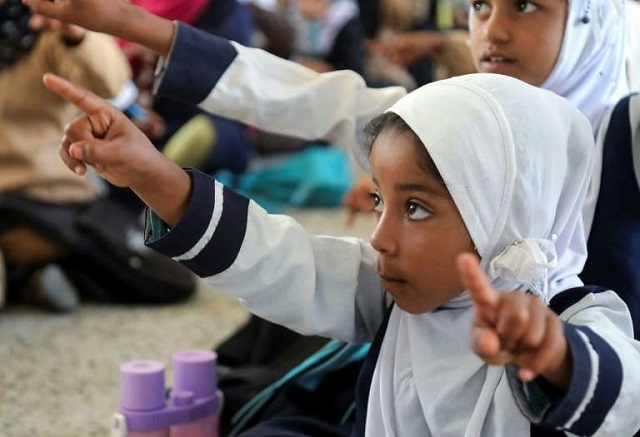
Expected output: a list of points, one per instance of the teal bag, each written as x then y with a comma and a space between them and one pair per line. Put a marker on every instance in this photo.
317, 176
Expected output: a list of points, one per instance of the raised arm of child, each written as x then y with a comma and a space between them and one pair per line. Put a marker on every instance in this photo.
237, 82
118, 18
212, 227
106, 139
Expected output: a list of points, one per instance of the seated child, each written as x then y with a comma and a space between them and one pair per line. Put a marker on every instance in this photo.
466, 206
31, 122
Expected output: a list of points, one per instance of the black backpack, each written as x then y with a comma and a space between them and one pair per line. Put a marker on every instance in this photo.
267, 371
108, 260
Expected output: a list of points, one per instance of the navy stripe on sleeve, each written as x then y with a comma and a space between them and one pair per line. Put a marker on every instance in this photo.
607, 388
561, 413
198, 60
572, 296
195, 220
223, 248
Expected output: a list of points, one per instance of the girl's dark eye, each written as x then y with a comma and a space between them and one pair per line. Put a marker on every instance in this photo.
415, 211
526, 6
479, 5
378, 204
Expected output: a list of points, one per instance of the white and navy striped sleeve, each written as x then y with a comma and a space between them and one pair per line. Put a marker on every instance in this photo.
260, 89
604, 390
313, 284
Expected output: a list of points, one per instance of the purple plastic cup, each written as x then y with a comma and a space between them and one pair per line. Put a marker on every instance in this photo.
142, 390
195, 371
142, 385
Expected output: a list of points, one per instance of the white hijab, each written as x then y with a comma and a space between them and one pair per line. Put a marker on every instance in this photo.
590, 70
518, 174
591, 73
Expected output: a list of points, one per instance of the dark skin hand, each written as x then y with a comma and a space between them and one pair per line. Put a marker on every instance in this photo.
107, 140
116, 17
515, 328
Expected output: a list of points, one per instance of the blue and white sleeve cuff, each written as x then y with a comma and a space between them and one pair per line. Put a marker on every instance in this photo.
196, 63
594, 387
208, 237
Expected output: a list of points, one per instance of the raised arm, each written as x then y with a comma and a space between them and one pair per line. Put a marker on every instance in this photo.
115, 17
237, 82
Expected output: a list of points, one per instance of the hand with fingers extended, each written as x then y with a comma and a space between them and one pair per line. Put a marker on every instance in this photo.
515, 328
103, 137
122, 154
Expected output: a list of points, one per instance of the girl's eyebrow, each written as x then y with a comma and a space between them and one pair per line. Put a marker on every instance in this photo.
421, 188
406, 186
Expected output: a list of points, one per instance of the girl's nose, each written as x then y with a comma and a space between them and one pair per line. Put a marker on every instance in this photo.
497, 28
383, 238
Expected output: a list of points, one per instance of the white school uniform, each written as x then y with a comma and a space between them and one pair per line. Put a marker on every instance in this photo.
521, 205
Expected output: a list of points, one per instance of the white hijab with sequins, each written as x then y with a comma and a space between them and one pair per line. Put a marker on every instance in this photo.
591, 73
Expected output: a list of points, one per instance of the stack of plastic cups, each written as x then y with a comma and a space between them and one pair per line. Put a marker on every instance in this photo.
192, 409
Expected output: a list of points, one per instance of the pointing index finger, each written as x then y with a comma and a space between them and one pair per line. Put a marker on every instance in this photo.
82, 98
475, 281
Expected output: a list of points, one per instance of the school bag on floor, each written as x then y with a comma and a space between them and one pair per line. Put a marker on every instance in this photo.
266, 370
108, 260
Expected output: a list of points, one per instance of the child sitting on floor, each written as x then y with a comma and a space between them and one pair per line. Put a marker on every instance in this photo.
465, 174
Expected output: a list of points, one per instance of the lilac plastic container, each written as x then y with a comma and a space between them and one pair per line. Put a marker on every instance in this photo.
192, 408
142, 395
194, 371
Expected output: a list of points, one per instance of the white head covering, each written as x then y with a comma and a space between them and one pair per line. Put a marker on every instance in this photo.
518, 174
506, 165
590, 70
591, 73
633, 44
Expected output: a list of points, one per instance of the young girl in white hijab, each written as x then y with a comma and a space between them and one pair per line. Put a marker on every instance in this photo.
575, 48
464, 173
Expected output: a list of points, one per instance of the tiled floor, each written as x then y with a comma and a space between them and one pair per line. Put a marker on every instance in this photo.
59, 374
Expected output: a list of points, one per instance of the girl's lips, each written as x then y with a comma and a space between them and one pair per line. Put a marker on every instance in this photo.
496, 58
390, 283
496, 64
390, 279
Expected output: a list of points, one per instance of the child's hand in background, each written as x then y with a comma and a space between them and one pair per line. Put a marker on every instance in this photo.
69, 33
96, 15
515, 328
358, 200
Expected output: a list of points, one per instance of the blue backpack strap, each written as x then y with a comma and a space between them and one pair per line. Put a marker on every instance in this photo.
309, 375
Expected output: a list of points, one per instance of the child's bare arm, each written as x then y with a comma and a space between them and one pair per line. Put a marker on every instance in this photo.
516, 328
107, 140
115, 17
